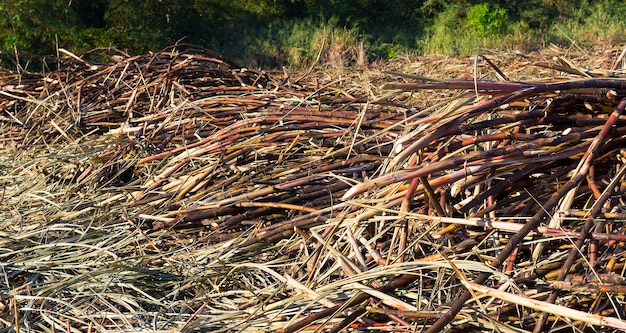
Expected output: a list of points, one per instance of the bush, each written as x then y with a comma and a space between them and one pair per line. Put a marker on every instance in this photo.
443, 35
272, 33
486, 20
599, 24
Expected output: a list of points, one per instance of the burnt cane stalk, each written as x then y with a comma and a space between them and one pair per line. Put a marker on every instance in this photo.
597, 207
458, 304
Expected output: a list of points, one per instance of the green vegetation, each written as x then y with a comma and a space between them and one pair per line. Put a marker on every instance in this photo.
486, 19
272, 33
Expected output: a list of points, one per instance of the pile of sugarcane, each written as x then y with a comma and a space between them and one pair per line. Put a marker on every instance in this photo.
180, 191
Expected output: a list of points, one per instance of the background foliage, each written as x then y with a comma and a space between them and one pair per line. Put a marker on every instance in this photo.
272, 33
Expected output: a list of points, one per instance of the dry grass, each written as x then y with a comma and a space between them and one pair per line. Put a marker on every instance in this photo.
175, 191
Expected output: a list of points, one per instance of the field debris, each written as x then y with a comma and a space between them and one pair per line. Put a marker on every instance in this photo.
178, 191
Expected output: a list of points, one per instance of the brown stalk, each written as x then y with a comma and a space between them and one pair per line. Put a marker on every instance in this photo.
458, 304
598, 205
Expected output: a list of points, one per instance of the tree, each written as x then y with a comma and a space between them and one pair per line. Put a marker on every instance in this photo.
36, 25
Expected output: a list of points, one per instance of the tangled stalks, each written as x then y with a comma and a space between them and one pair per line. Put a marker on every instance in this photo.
180, 191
